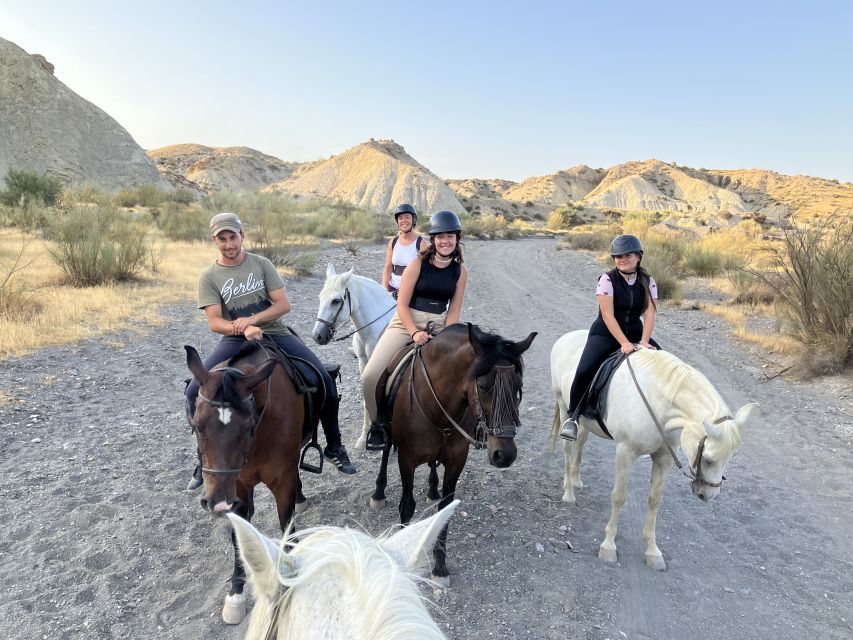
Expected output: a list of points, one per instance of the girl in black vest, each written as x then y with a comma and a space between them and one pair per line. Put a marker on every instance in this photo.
627, 303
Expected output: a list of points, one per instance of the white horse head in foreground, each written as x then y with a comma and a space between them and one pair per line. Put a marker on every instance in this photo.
366, 304
336, 584
690, 411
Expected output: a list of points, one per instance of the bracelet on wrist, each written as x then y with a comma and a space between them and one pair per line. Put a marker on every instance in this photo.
415, 333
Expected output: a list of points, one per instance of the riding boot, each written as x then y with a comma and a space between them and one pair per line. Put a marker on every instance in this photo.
196, 481
378, 436
569, 428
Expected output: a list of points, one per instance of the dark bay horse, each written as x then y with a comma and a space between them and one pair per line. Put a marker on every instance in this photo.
463, 387
249, 427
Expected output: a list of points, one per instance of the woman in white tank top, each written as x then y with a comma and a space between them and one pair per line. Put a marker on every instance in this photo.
402, 249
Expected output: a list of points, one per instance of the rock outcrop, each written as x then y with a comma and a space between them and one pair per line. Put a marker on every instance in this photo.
557, 188
376, 175
47, 128
208, 169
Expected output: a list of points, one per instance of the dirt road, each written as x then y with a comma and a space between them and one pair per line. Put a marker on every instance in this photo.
101, 541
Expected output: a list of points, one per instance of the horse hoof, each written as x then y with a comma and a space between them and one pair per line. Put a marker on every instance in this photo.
577, 485
440, 582
608, 555
301, 507
656, 562
235, 609
376, 504
570, 500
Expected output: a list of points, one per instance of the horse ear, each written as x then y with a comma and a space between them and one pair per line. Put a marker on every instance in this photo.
330, 271
520, 347
411, 546
745, 412
474, 340
263, 372
345, 276
712, 429
261, 557
195, 364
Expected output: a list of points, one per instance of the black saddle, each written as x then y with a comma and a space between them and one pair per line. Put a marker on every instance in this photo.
596, 395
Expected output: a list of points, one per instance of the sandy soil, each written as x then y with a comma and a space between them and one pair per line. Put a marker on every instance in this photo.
101, 541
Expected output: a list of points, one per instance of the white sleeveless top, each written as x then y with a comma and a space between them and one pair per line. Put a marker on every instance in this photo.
400, 258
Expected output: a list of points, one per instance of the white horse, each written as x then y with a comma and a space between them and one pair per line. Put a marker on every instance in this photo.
689, 410
335, 583
363, 301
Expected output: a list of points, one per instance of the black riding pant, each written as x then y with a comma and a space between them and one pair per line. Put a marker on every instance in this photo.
229, 346
598, 347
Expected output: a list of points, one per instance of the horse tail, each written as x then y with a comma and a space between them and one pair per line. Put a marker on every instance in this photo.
555, 427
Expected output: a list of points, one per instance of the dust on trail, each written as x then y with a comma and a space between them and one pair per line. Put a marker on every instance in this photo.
101, 541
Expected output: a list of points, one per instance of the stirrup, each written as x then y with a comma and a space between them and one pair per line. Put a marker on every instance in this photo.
377, 431
307, 466
569, 429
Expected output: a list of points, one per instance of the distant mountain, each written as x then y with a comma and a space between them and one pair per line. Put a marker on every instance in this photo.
47, 128
652, 185
376, 175
208, 169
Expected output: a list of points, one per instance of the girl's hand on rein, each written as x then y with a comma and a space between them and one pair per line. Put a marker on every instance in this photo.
627, 347
647, 345
420, 337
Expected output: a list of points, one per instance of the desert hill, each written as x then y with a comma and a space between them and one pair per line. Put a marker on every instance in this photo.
558, 188
208, 169
376, 175
47, 128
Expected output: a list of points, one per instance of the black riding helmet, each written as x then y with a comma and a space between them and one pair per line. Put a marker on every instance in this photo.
626, 244
444, 222
406, 208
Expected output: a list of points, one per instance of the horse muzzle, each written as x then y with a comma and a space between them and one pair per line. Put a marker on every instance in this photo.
321, 334
502, 451
704, 492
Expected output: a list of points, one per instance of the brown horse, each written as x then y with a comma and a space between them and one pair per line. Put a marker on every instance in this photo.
463, 387
249, 427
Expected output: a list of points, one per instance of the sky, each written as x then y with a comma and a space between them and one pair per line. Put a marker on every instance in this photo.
471, 89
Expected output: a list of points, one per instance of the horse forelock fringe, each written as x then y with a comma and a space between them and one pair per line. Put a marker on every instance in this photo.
383, 595
230, 394
496, 349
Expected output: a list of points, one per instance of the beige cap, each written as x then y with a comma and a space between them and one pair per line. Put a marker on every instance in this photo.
225, 221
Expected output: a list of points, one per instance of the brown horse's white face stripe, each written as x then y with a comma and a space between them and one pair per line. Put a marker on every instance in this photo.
224, 415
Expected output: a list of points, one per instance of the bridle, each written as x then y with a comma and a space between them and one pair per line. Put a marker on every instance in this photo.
694, 471
331, 323
482, 428
256, 418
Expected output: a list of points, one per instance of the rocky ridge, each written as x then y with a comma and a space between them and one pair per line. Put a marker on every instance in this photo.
47, 128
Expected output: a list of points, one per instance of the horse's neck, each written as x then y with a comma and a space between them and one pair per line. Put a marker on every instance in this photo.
369, 300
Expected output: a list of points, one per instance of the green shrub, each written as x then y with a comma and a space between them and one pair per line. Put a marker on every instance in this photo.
16, 300
96, 245
814, 287
702, 262
598, 240
24, 187
750, 289
143, 195
182, 195
29, 217
182, 223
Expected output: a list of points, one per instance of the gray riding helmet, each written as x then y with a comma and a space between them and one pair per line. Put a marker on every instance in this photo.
444, 222
626, 244
406, 208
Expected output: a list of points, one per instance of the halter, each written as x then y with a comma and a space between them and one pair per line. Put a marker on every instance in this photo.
482, 429
256, 418
694, 471
348, 300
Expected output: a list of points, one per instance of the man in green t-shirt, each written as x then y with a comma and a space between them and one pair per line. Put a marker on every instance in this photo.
243, 298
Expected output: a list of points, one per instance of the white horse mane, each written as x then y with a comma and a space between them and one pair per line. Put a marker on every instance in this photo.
335, 583
679, 376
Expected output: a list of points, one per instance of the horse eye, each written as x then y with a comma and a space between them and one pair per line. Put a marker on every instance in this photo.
336, 300
708, 462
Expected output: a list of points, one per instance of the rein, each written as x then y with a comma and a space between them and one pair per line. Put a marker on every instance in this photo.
694, 472
331, 324
482, 429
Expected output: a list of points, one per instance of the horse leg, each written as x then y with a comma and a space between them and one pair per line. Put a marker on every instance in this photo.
234, 609
361, 443
452, 470
301, 505
377, 500
624, 457
432, 493
661, 463
583, 435
407, 481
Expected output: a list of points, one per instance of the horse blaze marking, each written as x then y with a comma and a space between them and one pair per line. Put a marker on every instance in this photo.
224, 415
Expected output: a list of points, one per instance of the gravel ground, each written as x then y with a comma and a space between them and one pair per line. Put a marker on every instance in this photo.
101, 540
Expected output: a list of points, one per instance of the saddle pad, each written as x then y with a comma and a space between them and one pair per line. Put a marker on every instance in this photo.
397, 370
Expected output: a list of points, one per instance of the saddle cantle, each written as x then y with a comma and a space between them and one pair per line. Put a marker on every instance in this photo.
389, 381
595, 403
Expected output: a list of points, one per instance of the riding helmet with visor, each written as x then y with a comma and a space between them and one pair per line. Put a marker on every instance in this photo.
626, 244
444, 222
406, 208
